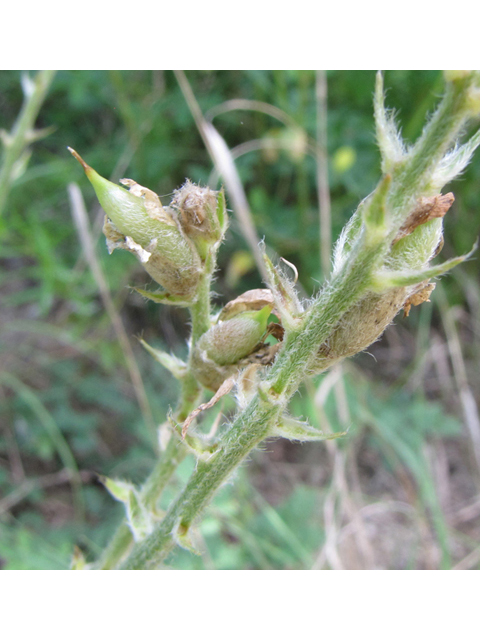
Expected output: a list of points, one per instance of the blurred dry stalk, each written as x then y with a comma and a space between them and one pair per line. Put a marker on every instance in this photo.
223, 161
467, 400
322, 173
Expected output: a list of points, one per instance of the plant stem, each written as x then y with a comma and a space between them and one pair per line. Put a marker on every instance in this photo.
248, 430
175, 451
22, 133
200, 310
256, 421
438, 137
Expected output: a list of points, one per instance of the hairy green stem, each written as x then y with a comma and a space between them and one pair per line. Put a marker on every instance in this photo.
295, 359
175, 451
438, 137
248, 430
256, 421
200, 310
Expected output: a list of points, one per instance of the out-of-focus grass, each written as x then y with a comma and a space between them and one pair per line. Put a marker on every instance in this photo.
401, 490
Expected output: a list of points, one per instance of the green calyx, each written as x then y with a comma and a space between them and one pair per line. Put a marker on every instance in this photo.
221, 351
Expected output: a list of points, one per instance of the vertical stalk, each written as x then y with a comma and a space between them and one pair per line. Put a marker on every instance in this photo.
175, 451
200, 310
22, 133
322, 173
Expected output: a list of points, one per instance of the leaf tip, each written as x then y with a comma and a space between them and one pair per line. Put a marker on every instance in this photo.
79, 158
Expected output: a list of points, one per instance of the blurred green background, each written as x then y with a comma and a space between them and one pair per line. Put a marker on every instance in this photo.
400, 491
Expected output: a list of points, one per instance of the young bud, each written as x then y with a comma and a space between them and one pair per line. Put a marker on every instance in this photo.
136, 221
201, 213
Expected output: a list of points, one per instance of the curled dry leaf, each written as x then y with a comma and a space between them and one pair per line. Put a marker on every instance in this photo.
426, 209
225, 388
252, 300
422, 295
276, 330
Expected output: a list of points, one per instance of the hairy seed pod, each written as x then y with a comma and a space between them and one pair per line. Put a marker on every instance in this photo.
360, 326
230, 341
412, 249
218, 351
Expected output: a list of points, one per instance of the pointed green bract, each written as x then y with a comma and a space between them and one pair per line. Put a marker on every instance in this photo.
163, 297
177, 367
299, 431
385, 280
139, 518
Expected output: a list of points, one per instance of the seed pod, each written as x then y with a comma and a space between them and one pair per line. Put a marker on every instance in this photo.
230, 341
136, 221
412, 249
218, 351
360, 326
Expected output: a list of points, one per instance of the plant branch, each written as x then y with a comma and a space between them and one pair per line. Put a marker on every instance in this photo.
175, 451
22, 133
254, 423
345, 307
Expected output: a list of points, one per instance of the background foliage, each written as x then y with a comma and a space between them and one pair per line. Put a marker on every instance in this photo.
402, 490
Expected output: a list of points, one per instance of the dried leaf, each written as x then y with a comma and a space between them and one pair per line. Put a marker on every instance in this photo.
225, 388
422, 295
425, 210
252, 300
